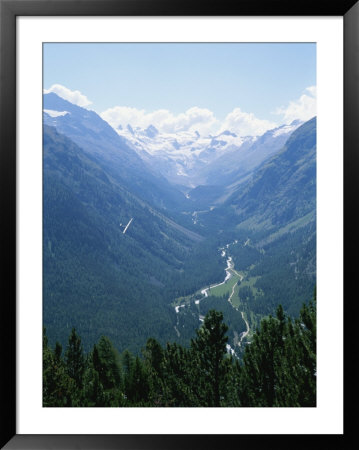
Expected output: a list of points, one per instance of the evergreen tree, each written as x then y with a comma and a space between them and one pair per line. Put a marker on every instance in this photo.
57, 387
106, 362
230, 382
279, 366
260, 358
154, 364
209, 349
74, 359
93, 392
153, 353
179, 379
138, 387
58, 351
127, 361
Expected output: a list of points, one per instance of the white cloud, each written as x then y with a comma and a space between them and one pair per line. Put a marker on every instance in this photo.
194, 119
199, 119
74, 97
303, 109
246, 124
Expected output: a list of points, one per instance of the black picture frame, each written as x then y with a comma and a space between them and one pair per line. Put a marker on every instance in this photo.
9, 10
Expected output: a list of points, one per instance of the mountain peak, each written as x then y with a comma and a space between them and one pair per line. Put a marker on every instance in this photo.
227, 133
151, 131
296, 122
54, 102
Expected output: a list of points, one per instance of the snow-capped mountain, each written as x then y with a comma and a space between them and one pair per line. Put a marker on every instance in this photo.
115, 154
185, 158
189, 159
241, 161
180, 156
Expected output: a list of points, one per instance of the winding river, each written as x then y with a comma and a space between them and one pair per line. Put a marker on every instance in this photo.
229, 270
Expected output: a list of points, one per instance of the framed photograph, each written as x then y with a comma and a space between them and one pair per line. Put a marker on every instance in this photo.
173, 197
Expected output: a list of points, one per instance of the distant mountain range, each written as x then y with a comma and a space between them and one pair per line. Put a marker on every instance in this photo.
184, 158
189, 159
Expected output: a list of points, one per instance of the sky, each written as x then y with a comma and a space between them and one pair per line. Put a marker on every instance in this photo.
245, 87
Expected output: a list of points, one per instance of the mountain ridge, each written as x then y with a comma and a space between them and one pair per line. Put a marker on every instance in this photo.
96, 137
93, 259
191, 159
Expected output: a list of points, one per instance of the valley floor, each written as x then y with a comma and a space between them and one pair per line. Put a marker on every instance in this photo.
227, 289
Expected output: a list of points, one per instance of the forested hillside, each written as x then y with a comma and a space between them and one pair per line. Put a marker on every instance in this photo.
269, 222
98, 277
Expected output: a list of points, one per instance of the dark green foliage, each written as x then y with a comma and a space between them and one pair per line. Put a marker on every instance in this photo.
95, 277
209, 349
93, 391
181, 384
106, 362
287, 272
57, 352
245, 255
154, 361
231, 316
278, 369
58, 388
280, 363
202, 267
74, 358
137, 384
